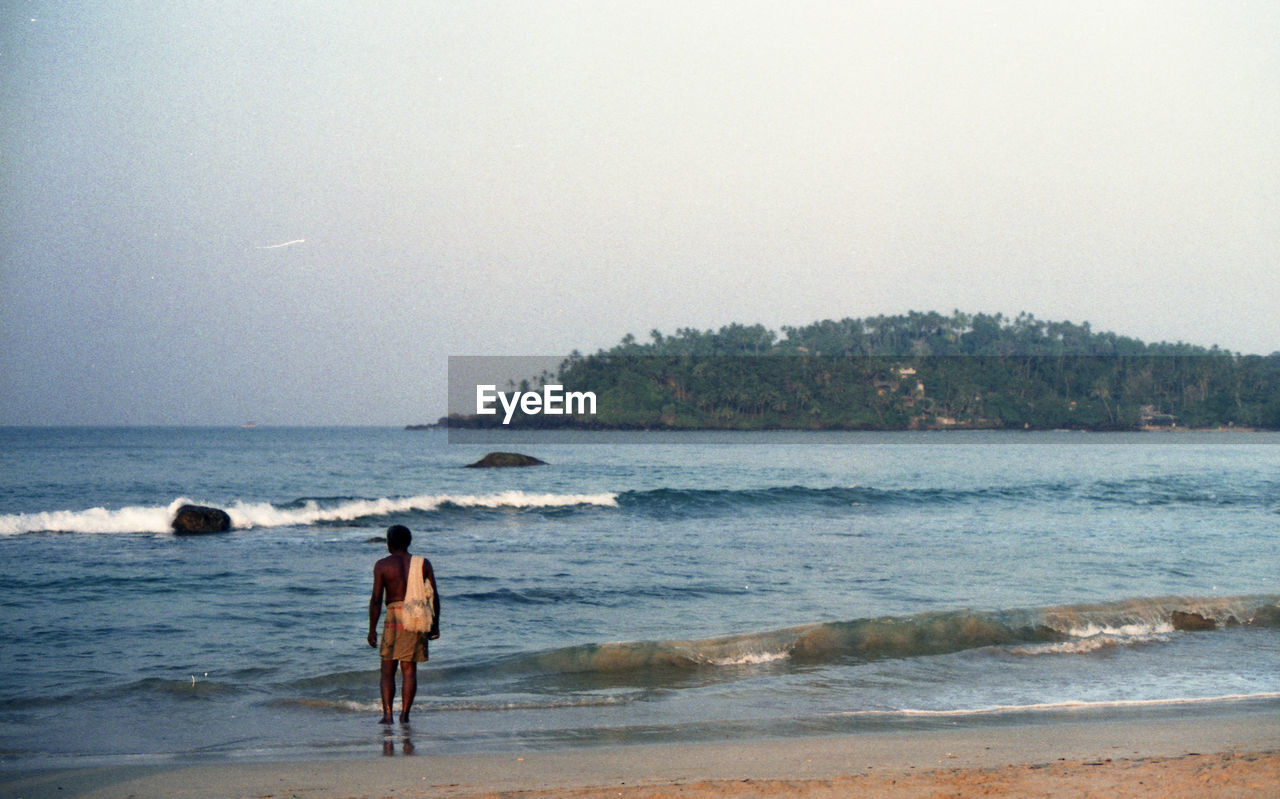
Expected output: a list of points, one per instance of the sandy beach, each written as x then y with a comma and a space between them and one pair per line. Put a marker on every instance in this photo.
1197, 756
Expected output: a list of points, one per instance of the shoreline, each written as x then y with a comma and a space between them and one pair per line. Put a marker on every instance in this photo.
1118, 756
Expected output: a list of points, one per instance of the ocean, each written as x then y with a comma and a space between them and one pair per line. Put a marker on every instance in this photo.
637, 588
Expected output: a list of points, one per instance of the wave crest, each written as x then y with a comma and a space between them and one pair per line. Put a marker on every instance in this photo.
1076, 629
246, 515
132, 519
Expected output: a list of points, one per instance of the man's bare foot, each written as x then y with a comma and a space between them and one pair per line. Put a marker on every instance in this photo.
404, 717
386, 719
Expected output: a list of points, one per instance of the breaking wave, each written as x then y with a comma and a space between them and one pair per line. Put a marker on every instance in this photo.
134, 519
1061, 630
620, 673
663, 503
246, 515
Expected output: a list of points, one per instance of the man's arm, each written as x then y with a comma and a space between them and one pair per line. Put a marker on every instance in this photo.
430, 576
375, 606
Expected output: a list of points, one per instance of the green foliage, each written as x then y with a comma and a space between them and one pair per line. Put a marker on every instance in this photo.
919, 370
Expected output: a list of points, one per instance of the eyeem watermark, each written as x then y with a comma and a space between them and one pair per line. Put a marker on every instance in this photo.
552, 400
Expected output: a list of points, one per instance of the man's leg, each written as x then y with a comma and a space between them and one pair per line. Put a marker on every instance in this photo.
408, 687
388, 686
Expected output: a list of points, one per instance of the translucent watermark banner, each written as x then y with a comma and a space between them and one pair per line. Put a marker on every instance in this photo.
544, 398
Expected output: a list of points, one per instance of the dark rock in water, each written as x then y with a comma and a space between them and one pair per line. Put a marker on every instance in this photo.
1191, 622
496, 459
1266, 616
191, 519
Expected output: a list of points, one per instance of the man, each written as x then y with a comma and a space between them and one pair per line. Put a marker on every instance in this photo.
400, 647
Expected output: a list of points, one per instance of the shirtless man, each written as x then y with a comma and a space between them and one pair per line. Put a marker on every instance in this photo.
400, 647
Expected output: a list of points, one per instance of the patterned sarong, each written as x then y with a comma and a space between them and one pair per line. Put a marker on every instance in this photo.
399, 643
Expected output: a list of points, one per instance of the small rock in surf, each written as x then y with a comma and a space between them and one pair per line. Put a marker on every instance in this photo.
195, 519
499, 459
1191, 622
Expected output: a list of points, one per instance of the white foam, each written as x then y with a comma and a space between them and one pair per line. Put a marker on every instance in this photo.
1068, 647
1067, 705
1135, 630
1092, 638
246, 515
133, 519
748, 659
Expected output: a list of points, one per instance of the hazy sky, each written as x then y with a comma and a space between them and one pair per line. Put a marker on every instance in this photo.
502, 178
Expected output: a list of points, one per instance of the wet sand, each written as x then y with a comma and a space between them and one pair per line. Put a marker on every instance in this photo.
1199, 756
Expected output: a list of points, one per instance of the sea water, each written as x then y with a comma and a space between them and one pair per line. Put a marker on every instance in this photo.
636, 588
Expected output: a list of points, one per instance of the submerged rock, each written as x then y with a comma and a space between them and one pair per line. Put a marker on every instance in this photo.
1266, 616
193, 519
499, 459
1191, 622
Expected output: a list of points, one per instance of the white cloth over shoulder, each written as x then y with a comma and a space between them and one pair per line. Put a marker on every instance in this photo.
418, 613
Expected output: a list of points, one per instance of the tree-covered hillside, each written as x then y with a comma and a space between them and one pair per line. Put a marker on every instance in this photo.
918, 371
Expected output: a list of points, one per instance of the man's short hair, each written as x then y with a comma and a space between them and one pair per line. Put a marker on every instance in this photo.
398, 537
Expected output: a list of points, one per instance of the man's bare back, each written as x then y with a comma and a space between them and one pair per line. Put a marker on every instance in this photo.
392, 574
